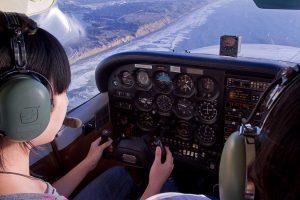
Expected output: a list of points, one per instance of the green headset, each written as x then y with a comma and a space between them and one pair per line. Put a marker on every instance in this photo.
25, 95
240, 148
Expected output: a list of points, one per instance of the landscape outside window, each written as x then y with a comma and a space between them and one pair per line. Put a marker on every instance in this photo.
92, 30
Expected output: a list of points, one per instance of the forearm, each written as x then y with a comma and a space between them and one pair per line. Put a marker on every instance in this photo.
66, 185
159, 173
151, 190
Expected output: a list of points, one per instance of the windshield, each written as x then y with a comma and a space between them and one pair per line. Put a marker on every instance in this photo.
91, 30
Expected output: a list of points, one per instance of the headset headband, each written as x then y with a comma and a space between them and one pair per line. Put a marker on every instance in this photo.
17, 41
25, 95
18, 49
277, 87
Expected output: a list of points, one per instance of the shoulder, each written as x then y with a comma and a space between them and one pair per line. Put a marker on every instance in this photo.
51, 194
177, 196
31, 196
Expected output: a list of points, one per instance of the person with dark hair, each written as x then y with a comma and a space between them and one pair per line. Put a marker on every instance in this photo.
275, 172
46, 56
276, 169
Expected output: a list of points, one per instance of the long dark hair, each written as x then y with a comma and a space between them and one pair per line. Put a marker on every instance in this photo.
276, 170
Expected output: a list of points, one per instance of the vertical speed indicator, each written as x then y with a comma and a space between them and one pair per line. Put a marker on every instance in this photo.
207, 88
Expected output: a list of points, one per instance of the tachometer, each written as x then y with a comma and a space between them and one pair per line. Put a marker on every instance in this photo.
185, 85
163, 82
183, 131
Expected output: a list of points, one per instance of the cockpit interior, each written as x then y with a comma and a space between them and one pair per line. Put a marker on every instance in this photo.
192, 103
189, 102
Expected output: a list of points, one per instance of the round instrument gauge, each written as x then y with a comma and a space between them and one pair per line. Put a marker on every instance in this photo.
142, 79
163, 82
208, 112
207, 84
185, 85
126, 78
164, 103
184, 109
206, 135
145, 121
183, 131
144, 101
207, 88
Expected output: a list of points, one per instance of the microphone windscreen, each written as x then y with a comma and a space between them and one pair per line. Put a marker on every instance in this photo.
72, 122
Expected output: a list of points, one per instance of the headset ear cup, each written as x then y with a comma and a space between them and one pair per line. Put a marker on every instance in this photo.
46, 83
232, 172
25, 107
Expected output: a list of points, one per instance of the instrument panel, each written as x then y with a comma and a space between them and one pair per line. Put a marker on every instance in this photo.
191, 108
184, 106
158, 95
